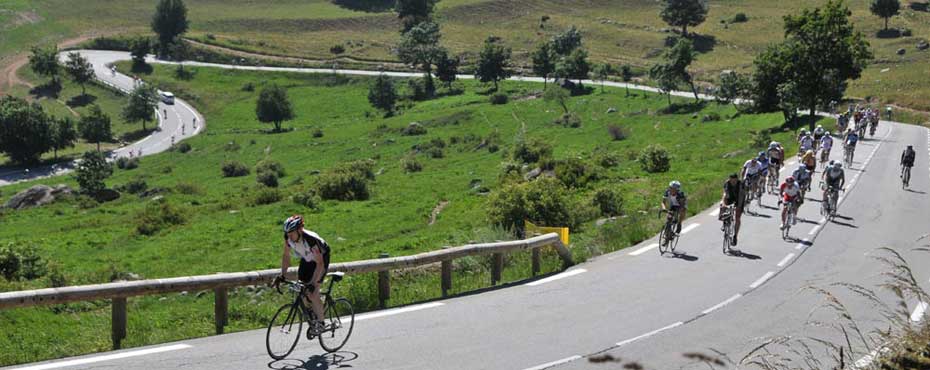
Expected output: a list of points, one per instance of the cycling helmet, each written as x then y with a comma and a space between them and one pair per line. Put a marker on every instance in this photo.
838, 165
910, 147
832, 162
773, 144
674, 184
761, 154
292, 223
819, 126
734, 176
807, 134
826, 133
789, 179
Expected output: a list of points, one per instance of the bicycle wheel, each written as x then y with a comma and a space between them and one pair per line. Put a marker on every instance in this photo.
907, 176
340, 319
283, 331
664, 238
727, 236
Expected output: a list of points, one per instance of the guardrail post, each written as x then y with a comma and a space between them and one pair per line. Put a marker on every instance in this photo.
220, 309
497, 264
384, 284
118, 321
535, 267
446, 278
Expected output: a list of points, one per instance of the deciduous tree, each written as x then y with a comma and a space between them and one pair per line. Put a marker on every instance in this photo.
94, 127
493, 62
80, 70
274, 106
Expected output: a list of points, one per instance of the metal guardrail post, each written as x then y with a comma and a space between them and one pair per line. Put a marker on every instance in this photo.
220, 309
384, 284
446, 277
497, 265
118, 321
535, 267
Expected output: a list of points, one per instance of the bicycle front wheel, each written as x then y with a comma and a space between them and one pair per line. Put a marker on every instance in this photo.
664, 238
727, 236
283, 331
340, 319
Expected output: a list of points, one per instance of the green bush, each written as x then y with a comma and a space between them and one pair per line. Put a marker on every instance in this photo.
411, 164
347, 181
569, 120
265, 195
413, 129
181, 147
307, 199
416, 89
654, 158
269, 166
573, 172
267, 178
607, 159
435, 152
618, 132
760, 139
21, 261
157, 216
499, 98
531, 151
188, 188
134, 186
318, 133
711, 117
124, 163
739, 18
609, 200
234, 169
544, 201
231, 146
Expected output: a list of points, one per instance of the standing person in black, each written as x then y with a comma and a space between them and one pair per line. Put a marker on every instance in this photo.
732, 196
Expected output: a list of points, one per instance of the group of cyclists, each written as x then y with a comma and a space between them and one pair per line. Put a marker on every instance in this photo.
762, 170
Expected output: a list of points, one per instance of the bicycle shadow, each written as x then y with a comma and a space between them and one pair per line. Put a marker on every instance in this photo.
333, 360
738, 253
844, 223
683, 256
915, 191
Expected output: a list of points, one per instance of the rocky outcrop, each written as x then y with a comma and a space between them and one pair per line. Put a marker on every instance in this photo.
37, 196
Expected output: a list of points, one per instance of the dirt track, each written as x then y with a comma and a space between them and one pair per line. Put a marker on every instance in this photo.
9, 67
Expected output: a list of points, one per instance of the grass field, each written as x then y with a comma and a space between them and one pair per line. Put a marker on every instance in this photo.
226, 231
619, 32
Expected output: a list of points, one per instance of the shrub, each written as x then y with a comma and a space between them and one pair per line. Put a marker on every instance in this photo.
531, 150
761, 139
544, 200
413, 129
91, 171
181, 147
906, 32
654, 158
710, 117
234, 169
411, 164
267, 178
125, 163
337, 49
499, 98
416, 89
618, 132
307, 199
317, 133
609, 201
573, 173
167, 169
231, 146
569, 120
188, 188
269, 166
265, 195
435, 152
607, 159
56, 278
21, 261
347, 181
739, 18
135, 186
157, 216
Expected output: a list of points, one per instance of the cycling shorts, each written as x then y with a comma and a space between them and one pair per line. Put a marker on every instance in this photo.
305, 271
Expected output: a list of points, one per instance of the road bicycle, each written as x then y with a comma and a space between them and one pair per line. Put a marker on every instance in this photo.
848, 152
789, 219
285, 327
905, 176
668, 238
824, 157
772, 183
829, 204
728, 216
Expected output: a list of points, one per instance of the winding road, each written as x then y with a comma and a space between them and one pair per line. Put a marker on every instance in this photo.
633, 304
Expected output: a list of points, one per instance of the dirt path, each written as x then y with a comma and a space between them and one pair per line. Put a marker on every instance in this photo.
8, 76
439, 207
290, 59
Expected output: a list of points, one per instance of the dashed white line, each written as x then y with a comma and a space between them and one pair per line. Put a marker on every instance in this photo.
557, 277
761, 280
814, 230
919, 311
649, 334
398, 311
786, 259
554, 363
689, 228
117, 356
644, 249
721, 304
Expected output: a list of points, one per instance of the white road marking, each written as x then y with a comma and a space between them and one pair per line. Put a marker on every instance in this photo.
554, 363
689, 228
786, 259
398, 311
116, 356
557, 277
814, 230
649, 334
644, 249
761, 280
919, 311
721, 304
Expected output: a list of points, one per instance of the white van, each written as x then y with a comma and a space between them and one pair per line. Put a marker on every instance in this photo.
167, 97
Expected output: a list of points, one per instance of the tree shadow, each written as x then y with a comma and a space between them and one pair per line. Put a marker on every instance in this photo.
81, 100
142, 68
891, 33
684, 108
919, 6
133, 136
703, 43
50, 90
368, 6
333, 360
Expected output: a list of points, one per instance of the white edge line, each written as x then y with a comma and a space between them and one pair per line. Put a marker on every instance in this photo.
689, 228
918, 313
761, 280
398, 311
644, 249
115, 356
721, 304
554, 363
557, 277
786, 259
649, 334
814, 230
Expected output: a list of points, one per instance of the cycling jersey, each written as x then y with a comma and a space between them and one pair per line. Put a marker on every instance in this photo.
908, 157
807, 142
675, 202
304, 250
752, 170
818, 132
790, 192
801, 175
826, 142
732, 192
852, 139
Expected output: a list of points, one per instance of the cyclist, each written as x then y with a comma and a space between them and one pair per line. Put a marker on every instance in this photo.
826, 143
809, 160
818, 134
841, 121
834, 176
850, 140
806, 144
776, 154
790, 194
803, 178
675, 201
763, 160
750, 174
907, 159
802, 134
732, 196
314, 261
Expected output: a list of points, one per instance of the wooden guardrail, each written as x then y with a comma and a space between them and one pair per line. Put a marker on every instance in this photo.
220, 282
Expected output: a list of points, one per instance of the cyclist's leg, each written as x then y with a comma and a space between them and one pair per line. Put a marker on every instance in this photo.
681, 218
305, 274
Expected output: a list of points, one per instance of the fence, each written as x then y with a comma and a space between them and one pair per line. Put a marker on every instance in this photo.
219, 283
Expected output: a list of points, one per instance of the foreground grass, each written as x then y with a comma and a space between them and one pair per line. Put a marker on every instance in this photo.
226, 231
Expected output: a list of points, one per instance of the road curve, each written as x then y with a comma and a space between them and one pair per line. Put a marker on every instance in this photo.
632, 304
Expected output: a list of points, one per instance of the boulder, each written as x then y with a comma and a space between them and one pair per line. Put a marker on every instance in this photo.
901, 51
152, 191
36, 196
106, 195
533, 174
611, 110
923, 45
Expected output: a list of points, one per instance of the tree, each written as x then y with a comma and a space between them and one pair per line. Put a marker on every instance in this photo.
80, 70
567, 41
733, 86
558, 95
666, 79
573, 66
626, 74
493, 62
684, 13
677, 59
419, 47
602, 72
771, 70
544, 61
63, 134
139, 47
91, 170
413, 12
25, 130
141, 105
44, 62
382, 94
447, 67
169, 23
273, 106
885, 9
95, 126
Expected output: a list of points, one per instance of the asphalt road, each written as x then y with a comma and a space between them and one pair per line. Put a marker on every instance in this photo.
633, 304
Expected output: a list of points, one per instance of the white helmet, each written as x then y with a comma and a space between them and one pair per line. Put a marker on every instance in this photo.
674, 184
826, 133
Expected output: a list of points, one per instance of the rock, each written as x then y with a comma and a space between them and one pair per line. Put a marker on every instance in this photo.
158, 198
901, 51
162, 299
36, 196
341, 239
106, 195
380, 171
474, 183
183, 294
923, 45
611, 110
534, 173
314, 172
152, 191
233, 211
201, 293
133, 276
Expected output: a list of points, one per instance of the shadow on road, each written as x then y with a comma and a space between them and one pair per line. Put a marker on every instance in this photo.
334, 360
916, 191
806, 221
739, 253
684, 256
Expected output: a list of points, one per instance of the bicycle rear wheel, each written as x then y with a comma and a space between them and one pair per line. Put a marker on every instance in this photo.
283, 331
340, 319
727, 235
